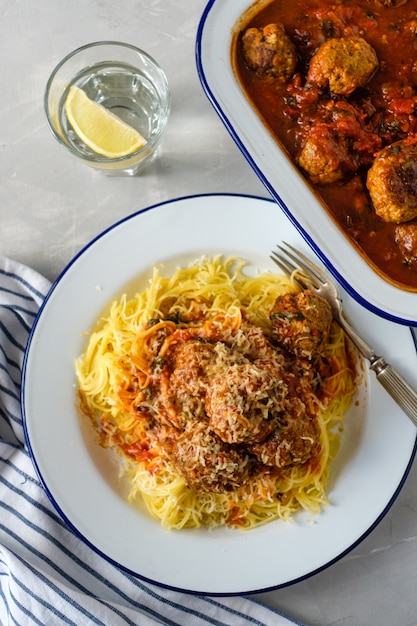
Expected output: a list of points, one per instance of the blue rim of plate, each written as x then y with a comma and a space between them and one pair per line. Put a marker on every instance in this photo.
74, 528
269, 186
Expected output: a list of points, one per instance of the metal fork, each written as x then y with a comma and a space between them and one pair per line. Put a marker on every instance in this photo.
308, 276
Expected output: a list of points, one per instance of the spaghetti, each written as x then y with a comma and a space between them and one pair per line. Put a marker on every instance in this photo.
217, 423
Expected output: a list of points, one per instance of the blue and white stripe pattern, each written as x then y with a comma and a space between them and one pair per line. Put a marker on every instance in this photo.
48, 576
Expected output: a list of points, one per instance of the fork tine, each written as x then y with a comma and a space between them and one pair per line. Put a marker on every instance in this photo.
282, 263
308, 267
290, 269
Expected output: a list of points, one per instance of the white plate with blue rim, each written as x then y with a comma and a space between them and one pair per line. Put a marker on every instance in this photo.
281, 178
82, 480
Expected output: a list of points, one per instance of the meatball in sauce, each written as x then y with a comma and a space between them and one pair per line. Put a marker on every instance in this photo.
244, 403
207, 463
302, 323
392, 182
294, 442
342, 65
269, 52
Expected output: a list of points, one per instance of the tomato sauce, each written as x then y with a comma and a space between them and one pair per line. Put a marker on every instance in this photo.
388, 103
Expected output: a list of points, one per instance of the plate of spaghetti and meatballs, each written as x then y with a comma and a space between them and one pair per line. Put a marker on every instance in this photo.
223, 394
321, 98
198, 420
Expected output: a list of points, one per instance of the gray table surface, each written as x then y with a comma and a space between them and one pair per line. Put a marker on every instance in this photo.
51, 206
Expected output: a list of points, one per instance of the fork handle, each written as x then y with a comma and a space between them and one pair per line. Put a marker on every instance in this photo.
398, 388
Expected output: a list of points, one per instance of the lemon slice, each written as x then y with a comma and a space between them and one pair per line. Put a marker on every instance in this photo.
99, 128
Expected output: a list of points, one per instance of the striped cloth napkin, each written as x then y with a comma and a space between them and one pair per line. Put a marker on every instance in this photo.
48, 576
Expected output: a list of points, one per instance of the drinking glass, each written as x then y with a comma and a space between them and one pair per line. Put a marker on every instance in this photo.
125, 80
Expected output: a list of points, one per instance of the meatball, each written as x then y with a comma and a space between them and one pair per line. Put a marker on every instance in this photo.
302, 322
252, 342
269, 52
207, 463
406, 240
342, 65
183, 392
337, 141
192, 362
325, 156
392, 182
296, 441
244, 402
